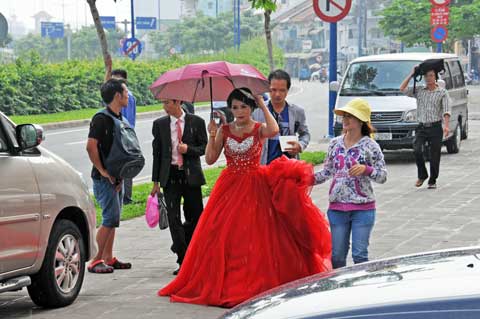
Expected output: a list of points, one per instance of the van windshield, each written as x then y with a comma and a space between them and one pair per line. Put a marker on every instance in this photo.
376, 77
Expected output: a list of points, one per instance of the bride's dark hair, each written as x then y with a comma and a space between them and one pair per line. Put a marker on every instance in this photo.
244, 95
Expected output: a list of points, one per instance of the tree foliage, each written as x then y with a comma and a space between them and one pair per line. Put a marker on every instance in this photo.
84, 45
409, 21
204, 34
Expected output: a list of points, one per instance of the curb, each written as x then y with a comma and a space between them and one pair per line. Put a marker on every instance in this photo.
78, 123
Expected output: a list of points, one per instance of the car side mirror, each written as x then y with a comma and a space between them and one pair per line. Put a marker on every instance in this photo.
29, 135
334, 86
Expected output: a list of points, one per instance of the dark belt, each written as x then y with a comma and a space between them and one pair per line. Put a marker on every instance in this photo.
432, 124
176, 167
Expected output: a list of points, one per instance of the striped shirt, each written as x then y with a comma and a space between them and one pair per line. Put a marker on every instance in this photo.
431, 105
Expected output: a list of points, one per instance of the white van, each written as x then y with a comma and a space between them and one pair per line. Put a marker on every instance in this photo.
377, 79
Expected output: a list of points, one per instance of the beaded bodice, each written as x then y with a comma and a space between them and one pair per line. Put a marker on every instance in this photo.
242, 152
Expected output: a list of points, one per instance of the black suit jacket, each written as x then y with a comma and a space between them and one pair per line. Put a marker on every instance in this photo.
194, 135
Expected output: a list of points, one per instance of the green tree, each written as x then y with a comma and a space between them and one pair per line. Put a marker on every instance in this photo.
6, 41
409, 21
204, 34
268, 6
85, 45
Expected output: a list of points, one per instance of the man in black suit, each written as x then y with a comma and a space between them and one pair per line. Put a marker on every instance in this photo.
179, 140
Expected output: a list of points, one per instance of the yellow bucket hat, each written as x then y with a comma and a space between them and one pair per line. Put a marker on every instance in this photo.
356, 107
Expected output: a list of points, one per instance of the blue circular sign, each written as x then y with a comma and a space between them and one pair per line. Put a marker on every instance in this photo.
132, 47
439, 33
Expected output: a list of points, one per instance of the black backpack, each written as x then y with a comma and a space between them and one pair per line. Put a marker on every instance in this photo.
125, 159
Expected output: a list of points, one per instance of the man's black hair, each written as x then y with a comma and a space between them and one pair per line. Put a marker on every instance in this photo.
120, 72
280, 75
244, 95
109, 88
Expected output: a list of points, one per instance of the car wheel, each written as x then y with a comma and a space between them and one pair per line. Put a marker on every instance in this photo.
58, 282
465, 129
453, 143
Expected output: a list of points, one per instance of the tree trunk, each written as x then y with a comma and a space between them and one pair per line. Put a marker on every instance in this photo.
268, 37
100, 32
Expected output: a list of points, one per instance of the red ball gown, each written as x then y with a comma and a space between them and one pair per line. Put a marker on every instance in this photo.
259, 229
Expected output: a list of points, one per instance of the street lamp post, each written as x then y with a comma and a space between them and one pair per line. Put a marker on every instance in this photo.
158, 25
236, 24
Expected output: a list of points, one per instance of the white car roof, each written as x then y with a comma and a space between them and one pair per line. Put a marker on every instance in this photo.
422, 56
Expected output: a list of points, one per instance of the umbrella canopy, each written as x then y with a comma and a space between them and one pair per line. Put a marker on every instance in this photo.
203, 82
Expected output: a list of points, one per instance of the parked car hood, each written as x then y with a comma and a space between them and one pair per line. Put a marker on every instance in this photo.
414, 278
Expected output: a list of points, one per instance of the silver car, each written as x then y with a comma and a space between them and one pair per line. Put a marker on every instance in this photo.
431, 285
47, 219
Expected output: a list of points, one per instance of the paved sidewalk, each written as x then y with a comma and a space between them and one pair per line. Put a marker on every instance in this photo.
409, 220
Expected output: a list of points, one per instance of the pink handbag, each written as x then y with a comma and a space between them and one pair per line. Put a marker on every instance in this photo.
151, 211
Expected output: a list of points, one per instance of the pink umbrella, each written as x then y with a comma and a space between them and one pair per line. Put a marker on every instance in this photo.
202, 82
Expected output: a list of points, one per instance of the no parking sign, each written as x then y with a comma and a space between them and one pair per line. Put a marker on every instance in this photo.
331, 10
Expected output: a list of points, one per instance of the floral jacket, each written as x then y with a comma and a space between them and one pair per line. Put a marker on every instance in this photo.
352, 192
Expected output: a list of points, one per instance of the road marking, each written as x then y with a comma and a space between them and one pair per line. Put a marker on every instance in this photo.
65, 132
74, 143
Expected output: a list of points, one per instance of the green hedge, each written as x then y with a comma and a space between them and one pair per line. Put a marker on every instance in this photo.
32, 87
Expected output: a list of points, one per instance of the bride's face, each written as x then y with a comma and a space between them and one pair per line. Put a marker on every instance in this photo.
241, 111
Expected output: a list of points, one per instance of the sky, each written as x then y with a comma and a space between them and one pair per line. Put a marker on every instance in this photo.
77, 12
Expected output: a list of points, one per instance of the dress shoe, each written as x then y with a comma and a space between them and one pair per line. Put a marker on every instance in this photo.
419, 182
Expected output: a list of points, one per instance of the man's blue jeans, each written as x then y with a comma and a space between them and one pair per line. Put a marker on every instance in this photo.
359, 224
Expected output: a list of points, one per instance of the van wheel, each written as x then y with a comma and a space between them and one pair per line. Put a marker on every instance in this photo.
58, 282
453, 143
465, 129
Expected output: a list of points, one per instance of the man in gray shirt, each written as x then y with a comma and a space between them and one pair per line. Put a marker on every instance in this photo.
290, 118
432, 107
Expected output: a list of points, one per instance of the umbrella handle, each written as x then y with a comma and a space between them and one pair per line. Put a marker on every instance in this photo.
211, 100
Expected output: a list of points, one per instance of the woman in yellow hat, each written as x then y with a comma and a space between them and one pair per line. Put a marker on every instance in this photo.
353, 161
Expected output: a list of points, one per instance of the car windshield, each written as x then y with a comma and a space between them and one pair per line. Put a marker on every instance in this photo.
376, 78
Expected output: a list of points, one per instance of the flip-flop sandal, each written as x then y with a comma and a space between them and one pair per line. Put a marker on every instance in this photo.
117, 264
99, 267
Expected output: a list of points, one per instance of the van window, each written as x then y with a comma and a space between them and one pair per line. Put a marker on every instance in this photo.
376, 77
457, 75
447, 77
3, 141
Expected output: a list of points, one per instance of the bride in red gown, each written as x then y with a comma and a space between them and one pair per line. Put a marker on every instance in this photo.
260, 228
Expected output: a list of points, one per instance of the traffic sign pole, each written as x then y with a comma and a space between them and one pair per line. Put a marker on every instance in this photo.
133, 20
332, 11
332, 76
439, 47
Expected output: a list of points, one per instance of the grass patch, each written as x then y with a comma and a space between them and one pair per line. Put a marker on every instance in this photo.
314, 158
140, 192
83, 114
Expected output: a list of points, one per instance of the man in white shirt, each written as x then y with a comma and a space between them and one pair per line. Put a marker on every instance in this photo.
179, 140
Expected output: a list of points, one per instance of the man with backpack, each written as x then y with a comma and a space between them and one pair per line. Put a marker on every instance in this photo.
130, 113
107, 131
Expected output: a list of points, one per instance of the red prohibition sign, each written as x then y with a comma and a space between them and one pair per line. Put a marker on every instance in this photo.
331, 10
440, 3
